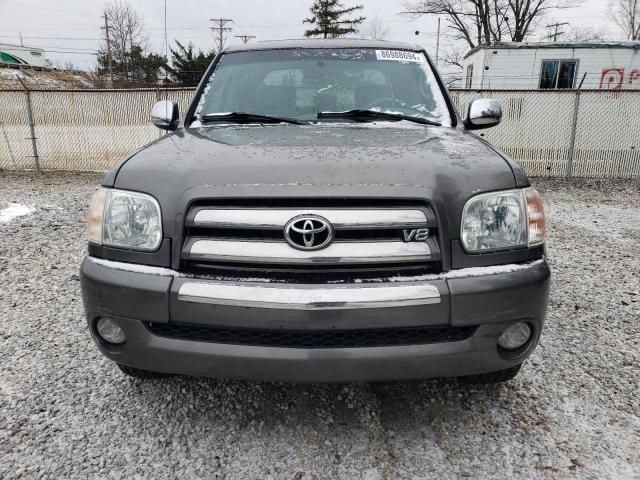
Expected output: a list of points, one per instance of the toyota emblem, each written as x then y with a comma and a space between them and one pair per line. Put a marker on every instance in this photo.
308, 232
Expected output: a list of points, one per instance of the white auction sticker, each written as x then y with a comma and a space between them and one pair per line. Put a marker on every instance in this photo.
399, 56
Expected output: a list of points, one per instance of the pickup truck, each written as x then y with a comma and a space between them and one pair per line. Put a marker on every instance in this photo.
320, 213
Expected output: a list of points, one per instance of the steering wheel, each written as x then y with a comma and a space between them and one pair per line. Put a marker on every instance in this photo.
385, 102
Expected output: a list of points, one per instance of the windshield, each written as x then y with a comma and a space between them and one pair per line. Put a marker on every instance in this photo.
301, 83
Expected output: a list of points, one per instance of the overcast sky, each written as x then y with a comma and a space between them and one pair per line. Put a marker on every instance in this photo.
69, 30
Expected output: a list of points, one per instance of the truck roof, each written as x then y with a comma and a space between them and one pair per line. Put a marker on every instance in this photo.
323, 43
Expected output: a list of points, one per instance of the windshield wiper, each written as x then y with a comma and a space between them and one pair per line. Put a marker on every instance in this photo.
364, 115
242, 117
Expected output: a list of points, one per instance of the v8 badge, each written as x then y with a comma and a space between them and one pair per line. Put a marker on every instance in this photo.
416, 235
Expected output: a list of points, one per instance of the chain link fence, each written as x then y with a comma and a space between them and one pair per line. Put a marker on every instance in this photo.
550, 133
592, 133
83, 130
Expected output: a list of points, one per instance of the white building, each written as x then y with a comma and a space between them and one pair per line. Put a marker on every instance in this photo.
19, 55
543, 65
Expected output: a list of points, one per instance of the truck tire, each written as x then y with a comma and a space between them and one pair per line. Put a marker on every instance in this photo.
139, 373
492, 377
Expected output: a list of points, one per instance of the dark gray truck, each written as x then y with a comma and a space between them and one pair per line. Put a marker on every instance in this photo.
321, 214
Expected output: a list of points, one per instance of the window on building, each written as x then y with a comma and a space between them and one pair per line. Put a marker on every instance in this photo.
469, 79
558, 73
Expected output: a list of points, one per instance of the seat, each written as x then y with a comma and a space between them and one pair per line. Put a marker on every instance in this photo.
279, 100
325, 102
367, 93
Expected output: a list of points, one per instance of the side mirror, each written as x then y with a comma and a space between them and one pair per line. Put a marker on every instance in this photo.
483, 113
164, 115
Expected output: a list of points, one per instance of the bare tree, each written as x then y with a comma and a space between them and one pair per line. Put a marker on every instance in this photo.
577, 34
60, 65
98, 79
626, 14
454, 57
376, 30
526, 14
488, 21
122, 53
466, 18
126, 29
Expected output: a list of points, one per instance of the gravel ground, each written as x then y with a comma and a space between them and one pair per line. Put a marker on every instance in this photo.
573, 412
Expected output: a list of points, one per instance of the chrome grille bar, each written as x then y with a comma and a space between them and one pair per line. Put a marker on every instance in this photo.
308, 297
340, 218
281, 252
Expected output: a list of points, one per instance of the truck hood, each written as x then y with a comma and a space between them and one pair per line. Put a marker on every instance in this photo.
402, 160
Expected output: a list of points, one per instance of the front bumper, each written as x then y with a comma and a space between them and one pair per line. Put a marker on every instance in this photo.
492, 299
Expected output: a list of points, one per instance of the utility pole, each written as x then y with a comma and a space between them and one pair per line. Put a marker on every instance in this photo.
556, 34
438, 43
221, 28
417, 32
21, 43
109, 58
245, 38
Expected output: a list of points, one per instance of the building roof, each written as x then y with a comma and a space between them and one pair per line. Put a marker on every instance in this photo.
323, 43
539, 45
13, 46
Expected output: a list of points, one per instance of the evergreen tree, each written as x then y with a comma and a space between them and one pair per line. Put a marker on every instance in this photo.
187, 67
328, 18
145, 68
134, 68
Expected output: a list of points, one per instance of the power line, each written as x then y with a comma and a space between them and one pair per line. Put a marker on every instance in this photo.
53, 50
221, 28
57, 47
52, 38
556, 34
245, 38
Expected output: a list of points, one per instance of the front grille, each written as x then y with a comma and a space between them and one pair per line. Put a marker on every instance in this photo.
318, 275
365, 234
379, 337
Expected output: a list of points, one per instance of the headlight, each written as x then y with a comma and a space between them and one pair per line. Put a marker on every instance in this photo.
124, 219
502, 220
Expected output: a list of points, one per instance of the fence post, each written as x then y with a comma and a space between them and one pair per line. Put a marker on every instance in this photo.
32, 129
572, 141
161, 133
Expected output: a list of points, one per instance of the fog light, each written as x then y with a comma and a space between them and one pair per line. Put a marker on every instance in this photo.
109, 330
515, 336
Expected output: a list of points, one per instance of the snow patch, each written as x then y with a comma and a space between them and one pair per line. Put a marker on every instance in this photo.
136, 268
376, 124
492, 270
166, 272
48, 79
203, 95
442, 110
14, 210
461, 273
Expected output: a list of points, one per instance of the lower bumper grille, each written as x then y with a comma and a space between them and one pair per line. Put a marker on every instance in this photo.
379, 337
